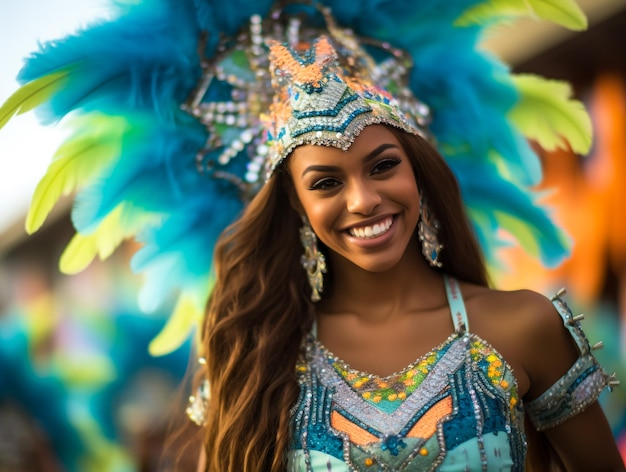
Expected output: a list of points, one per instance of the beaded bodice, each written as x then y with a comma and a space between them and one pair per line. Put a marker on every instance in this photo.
455, 408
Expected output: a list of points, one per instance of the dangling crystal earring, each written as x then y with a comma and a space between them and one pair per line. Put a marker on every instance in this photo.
199, 403
312, 260
428, 227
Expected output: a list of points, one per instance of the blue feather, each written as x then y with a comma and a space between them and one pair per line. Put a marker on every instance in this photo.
145, 62
487, 194
182, 250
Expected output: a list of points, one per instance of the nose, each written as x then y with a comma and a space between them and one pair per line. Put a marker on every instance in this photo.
362, 197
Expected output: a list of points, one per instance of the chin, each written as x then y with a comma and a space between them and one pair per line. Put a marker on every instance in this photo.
376, 265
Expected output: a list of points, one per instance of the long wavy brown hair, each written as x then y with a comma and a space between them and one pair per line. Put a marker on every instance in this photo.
260, 311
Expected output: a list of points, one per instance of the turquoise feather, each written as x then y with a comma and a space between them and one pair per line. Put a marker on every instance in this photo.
90, 151
144, 62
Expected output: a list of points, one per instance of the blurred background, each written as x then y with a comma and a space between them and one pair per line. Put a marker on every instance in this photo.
78, 389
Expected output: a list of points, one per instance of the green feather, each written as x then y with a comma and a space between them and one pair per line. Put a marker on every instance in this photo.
78, 160
521, 231
32, 95
547, 114
187, 315
562, 12
79, 253
118, 225
82, 249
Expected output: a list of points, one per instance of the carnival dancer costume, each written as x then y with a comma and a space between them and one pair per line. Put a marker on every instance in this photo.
181, 110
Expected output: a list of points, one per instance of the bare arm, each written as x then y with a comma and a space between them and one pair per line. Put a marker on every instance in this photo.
583, 442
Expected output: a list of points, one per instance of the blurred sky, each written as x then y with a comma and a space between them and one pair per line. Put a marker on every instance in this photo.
25, 147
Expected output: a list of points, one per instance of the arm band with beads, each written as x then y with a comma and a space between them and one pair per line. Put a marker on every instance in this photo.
579, 387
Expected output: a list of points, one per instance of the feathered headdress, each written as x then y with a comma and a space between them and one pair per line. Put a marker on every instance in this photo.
167, 145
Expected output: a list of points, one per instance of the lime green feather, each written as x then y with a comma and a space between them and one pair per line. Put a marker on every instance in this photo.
547, 114
81, 250
187, 315
32, 95
562, 12
523, 233
117, 226
78, 160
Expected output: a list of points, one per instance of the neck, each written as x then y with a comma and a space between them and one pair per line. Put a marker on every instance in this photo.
409, 286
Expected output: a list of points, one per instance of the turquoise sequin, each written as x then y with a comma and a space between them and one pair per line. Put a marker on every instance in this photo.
456, 408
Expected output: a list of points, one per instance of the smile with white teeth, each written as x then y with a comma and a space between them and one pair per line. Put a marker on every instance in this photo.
369, 232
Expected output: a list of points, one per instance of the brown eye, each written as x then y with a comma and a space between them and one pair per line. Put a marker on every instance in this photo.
384, 165
327, 183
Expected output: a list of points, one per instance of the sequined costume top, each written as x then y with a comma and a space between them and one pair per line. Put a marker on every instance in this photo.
456, 408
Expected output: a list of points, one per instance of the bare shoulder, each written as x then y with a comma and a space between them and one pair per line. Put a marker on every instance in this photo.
526, 329
524, 312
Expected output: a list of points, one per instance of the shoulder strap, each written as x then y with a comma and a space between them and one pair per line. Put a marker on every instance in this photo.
457, 306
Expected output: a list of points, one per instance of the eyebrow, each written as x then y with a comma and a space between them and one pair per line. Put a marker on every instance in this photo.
365, 160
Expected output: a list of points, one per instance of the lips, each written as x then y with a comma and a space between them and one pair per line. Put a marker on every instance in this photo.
372, 231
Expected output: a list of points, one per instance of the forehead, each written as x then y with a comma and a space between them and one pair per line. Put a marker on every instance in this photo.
369, 139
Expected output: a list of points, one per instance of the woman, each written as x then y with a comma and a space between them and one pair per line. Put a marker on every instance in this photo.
430, 369
390, 351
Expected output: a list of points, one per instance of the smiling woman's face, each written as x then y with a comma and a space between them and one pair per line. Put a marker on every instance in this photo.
363, 204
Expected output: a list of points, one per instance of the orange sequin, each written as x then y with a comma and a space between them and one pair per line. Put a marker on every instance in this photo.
313, 73
427, 425
356, 434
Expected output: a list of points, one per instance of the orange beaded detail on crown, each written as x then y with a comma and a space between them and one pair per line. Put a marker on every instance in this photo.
324, 95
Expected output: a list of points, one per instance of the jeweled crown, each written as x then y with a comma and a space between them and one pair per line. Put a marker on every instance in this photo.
293, 83
321, 101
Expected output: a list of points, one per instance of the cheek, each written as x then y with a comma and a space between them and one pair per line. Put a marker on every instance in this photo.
321, 218
322, 215
409, 183
406, 190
